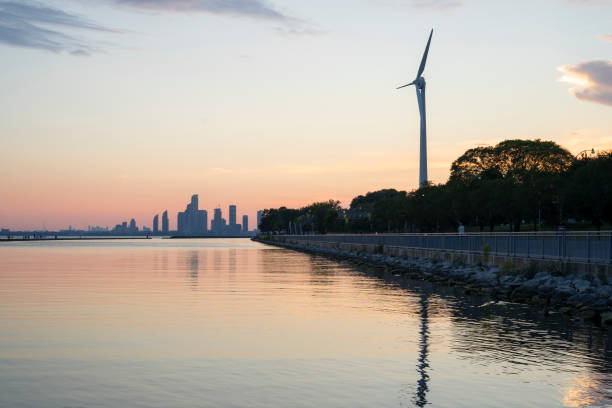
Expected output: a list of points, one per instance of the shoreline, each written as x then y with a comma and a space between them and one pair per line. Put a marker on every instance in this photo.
586, 296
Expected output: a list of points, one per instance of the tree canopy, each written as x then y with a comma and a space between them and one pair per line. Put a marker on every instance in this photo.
515, 181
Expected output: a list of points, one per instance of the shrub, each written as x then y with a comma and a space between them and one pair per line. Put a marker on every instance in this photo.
509, 269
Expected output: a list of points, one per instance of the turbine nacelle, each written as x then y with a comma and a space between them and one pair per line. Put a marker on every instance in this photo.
419, 83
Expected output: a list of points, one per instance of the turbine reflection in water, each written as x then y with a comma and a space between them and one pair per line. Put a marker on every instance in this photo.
420, 398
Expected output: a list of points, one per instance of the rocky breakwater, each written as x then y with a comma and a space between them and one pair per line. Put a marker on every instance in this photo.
586, 296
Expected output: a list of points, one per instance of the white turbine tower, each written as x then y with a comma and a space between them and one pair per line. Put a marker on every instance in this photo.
419, 83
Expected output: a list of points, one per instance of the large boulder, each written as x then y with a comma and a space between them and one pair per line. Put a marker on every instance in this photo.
581, 285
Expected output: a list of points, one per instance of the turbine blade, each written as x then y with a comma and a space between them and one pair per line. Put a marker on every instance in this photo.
424, 59
403, 86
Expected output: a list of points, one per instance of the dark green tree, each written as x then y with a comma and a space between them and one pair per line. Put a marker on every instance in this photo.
589, 191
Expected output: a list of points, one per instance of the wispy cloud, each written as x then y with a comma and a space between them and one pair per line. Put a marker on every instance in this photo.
33, 25
589, 2
436, 4
299, 29
249, 8
425, 5
606, 37
592, 80
258, 9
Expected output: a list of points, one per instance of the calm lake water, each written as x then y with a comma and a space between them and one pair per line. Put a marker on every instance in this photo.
232, 323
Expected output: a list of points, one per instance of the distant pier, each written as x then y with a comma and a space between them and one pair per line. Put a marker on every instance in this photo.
22, 238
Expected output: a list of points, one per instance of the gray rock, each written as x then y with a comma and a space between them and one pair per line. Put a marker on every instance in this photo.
485, 277
589, 300
542, 276
581, 285
604, 291
565, 288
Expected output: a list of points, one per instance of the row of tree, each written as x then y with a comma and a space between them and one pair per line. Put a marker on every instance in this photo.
516, 181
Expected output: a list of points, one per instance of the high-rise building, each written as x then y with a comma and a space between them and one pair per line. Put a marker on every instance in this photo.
217, 224
133, 227
165, 222
192, 221
204, 220
233, 228
232, 215
245, 223
259, 215
156, 224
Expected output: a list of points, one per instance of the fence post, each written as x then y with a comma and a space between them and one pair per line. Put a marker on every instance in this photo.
528, 241
588, 244
508, 243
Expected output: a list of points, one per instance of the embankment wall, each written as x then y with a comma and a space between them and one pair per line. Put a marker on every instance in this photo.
562, 266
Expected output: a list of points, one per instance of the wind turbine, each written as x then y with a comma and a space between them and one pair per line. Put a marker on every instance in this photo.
419, 83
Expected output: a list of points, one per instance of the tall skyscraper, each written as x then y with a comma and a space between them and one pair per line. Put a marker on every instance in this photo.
233, 228
133, 227
204, 220
232, 215
217, 224
259, 215
165, 222
245, 223
192, 221
156, 223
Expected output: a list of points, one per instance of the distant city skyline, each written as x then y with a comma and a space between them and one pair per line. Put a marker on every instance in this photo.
191, 221
165, 223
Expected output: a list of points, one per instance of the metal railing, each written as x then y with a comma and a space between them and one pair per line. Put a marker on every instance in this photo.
588, 246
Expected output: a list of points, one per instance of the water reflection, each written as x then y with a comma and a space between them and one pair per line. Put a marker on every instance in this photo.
422, 388
190, 262
232, 256
509, 339
271, 327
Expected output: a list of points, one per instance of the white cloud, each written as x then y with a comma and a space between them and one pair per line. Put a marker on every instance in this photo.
592, 80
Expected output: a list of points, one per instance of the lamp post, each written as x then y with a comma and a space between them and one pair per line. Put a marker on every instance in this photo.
584, 154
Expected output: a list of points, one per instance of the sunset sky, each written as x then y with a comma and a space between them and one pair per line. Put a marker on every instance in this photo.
119, 109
